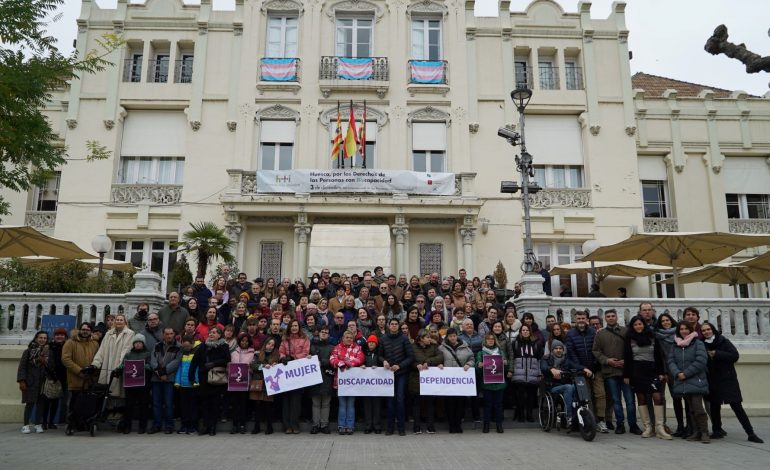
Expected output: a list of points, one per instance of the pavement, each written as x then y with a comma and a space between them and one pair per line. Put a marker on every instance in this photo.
523, 446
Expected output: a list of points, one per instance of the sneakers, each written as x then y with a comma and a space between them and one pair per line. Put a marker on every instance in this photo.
182, 430
601, 427
431, 430
39, 428
26, 429
417, 430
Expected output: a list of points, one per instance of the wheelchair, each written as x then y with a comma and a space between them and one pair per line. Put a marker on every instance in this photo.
552, 409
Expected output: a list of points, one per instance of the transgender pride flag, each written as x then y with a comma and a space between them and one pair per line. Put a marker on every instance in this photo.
425, 71
279, 70
355, 69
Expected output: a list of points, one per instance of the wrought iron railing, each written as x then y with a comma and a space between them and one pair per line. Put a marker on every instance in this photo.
549, 77
183, 70
132, 70
573, 76
428, 71
330, 69
275, 69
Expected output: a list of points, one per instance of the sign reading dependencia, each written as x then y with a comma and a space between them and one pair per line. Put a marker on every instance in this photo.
355, 181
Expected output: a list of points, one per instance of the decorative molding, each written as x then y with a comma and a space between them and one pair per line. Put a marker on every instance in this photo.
109, 124
401, 233
238, 30
473, 127
547, 198
660, 224
330, 114
72, 123
40, 219
427, 7
468, 234
351, 220
749, 226
430, 221
302, 232
595, 129
249, 183
630, 130
195, 125
288, 6
234, 232
470, 34
157, 194
232, 125
277, 112
459, 113
430, 114
275, 219
356, 7
203, 29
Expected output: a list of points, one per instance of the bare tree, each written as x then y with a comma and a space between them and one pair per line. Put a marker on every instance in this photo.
718, 44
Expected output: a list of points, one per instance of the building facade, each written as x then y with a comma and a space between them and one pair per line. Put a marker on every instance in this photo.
200, 101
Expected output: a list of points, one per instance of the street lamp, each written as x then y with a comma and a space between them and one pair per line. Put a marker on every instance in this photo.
101, 244
589, 246
521, 97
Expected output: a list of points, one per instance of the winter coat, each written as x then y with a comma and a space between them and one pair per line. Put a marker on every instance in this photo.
59, 372
458, 356
173, 318
165, 360
151, 337
33, 371
723, 380
242, 356
323, 350
526, 361
207, 356
480, 372
610, 343
548, 363
579, 346
138, 321
76, 354
182, 378
474, 341
506, 348
295, 347
110, 355
202, 330
396, 350
693, 361
372, 357
343, 357
423, 354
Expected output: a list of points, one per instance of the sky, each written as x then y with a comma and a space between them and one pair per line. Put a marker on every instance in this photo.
666, 36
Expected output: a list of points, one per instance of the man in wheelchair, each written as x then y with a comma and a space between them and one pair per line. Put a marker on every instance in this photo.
553, 368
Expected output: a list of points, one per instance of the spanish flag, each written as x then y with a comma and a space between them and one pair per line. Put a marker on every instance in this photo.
350, 147
337, 142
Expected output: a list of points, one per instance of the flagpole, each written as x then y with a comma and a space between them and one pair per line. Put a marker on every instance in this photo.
340, 161
363, 144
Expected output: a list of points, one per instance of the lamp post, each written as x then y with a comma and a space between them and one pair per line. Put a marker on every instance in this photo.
101, 244
589, 246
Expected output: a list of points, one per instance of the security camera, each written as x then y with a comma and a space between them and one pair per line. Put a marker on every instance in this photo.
509, 134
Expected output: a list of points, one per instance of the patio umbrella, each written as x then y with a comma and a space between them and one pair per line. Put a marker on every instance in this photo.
611, 268
725, 273
18, 241
109, 264
678, 249
761, 261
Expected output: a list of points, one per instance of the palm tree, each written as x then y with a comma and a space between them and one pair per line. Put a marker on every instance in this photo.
208, 241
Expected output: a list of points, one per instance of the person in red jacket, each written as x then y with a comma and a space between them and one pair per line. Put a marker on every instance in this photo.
210, 321
346, 354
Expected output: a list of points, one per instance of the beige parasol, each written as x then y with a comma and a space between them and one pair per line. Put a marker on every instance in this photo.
18, 241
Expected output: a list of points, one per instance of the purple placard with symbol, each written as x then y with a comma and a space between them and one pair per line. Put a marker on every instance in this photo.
133, 373
493, 369
237, 377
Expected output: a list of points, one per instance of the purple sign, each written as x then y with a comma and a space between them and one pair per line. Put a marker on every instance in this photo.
237, 377
493, 369
133, 373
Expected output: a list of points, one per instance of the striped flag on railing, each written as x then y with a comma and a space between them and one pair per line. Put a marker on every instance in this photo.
279, 70
424, 71
355, 69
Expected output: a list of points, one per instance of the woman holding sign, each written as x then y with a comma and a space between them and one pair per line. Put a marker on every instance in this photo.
492, 374
239, 401
456, 354
209, 360
346, 354
294, 345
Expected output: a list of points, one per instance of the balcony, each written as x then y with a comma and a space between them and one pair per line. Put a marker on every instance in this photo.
573, 76
158, 71
427, 76
523, 78
41, 220
279, 74
549, 78
363, 74
749, 226
132, 70
153, 194
661, 224
561, 197
183, 70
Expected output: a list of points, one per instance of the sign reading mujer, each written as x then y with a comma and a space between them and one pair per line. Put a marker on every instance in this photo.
296, 374
449, 381
369, 382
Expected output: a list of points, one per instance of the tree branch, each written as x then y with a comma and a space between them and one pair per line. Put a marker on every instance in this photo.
718, 44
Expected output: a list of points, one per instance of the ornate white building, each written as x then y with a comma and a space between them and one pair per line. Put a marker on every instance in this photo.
201, 100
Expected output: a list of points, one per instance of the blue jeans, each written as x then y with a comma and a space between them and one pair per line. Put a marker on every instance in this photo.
567, 391
396, 412
163, 396
616, 386
346, 415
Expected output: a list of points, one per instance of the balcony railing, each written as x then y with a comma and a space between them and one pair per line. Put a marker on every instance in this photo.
278, 69
549, 78
157, 194
42, 220
428, 72
183, 70
573, 76
132, 70
561, 197
749, 225
348, 68
661, 224
523, 78
158, 71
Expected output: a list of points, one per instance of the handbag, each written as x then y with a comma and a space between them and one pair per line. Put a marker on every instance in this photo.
256, 385
52, 389
217, 376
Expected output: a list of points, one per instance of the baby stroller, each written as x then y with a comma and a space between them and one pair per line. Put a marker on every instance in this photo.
90, 406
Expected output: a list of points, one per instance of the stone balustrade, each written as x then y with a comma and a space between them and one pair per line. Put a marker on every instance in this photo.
158, 194
547, 198
41, 220
660, 224
749, 226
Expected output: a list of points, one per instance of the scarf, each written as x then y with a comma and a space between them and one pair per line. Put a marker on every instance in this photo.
558, 361
684, 342
710, 340
642, 339
666, 334
215, 344
494, 351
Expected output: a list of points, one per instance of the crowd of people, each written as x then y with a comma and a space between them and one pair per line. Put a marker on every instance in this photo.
402, 324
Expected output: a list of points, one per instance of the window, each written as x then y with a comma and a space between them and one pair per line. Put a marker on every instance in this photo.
281, 37
549, 75
276, 145
270, 260
151, 170
556, 254
559, 176
159, 69
46, 198
429, 146
354, 37
133, 68
664, 291
654, 200
748, 206
184, 71
426, 39
523, 80
573, 75
371, 144
430, 258
158, 255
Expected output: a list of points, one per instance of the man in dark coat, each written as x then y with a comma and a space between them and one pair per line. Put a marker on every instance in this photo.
397, 355
579, 344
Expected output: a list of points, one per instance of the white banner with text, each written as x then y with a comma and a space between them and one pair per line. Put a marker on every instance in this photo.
449, 381
299, 373
355, 181
369, 382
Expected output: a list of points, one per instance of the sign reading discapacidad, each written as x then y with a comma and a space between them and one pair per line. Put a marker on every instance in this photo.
355, 181
369, 382
299, 373
449, 381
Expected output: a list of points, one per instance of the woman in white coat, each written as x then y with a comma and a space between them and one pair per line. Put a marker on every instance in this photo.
110, 355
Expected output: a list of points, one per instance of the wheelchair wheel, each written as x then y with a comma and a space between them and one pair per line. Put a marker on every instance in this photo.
587, 424
546, 412
560, 415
